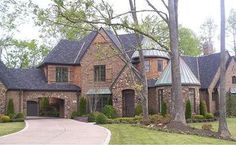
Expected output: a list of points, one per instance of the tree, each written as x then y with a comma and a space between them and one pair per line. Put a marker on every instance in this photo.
232, 27
208, 29
223, 128
189, 43
10, 107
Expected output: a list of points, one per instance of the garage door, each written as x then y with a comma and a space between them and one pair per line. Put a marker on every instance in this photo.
32, 108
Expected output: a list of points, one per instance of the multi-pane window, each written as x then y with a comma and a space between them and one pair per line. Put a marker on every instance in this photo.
160, 65
191, 96
102, 102
147, 65
61, 74
160, 99
99, 73
234, 80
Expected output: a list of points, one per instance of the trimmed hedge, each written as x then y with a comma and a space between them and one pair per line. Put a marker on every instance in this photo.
202, 107
10, 107
82, 106
198, 117
163, 108
209, 116
138, 109
92, 116
5, 118
74, 114
188, 110
109, 111
101, 119
19, 115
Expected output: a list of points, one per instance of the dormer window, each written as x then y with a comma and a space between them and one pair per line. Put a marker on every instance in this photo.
160, 65
234, 80
147, 66
61, 74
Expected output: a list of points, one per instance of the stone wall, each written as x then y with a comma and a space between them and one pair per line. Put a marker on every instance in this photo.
2, 99
124, 82
20, 103
185, 91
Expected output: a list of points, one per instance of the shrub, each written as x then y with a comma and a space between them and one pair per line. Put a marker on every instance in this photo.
74, 114
19, 115
128, 120
12, 116
207, 127
109, 111
10, 107
138, 109
155, 118
198, 117
230, 105
82, 106
202, 107
209, 116
101, 119
163, 109
188, 110
5, 118
18, 120
92, 116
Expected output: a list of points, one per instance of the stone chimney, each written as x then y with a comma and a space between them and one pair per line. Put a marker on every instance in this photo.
208, 48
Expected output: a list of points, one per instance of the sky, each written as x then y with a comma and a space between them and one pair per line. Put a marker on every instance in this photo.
192, 13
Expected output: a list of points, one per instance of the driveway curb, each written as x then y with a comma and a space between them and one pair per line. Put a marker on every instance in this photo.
15, 133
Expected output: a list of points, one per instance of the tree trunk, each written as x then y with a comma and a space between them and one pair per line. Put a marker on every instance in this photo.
223, 128
177, 105
144, 91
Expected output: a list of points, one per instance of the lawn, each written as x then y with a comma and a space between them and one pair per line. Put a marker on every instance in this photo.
231, 124
7, 128
127, 134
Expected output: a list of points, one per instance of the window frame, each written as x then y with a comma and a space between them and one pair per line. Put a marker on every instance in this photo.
62, 74
233, 79
99, 73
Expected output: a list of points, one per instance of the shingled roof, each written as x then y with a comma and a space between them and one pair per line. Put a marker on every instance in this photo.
31, 80
71, 52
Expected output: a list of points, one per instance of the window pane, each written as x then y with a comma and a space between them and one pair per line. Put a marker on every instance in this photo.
160, 65
99, 73
192, 98
61, 74
147, 66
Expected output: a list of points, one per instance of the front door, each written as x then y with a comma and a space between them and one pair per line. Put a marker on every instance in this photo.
32, 108
128, 103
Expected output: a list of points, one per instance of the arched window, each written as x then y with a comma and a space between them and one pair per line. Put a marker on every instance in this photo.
234, 80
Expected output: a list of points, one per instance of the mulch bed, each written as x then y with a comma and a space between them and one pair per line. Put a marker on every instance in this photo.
178, 127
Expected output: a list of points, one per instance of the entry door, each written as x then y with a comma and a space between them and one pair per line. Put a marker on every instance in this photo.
128, 103
32, 108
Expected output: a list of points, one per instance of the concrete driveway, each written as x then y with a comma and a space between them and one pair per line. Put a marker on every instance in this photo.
58, 131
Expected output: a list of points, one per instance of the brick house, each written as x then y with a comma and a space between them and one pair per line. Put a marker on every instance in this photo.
94, 68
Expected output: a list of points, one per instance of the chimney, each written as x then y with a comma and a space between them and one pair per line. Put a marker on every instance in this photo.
208, 48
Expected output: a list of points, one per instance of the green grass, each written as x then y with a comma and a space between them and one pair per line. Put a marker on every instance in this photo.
231, 125
127, 134
7, 128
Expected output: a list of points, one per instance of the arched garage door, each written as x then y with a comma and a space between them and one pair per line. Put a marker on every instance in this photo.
32, 108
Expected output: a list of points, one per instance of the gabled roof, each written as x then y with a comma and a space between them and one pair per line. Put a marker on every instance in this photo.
31, 80
187, 76
71, 52
151, 53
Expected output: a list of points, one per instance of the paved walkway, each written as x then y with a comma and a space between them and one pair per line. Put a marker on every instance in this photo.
58, 131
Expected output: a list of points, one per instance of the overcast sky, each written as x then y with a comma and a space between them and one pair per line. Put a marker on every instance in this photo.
192, 13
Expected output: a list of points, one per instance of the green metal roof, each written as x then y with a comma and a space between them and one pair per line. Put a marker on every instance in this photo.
187, 76
104, 91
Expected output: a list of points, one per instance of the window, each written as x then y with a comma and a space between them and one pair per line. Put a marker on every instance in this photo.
61, 74
160, 99
160, 65
99, 73
102, 102
191, 96
234, 80
147, 65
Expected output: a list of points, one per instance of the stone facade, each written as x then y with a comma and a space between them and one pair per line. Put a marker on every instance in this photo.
20, 100
185, 93
126, 81
2, 98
